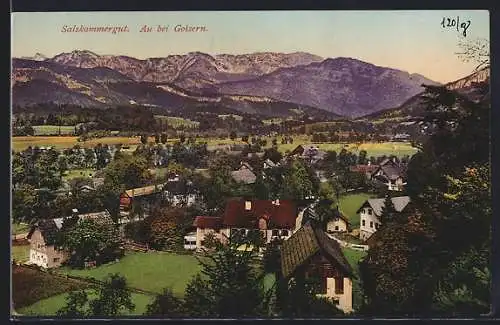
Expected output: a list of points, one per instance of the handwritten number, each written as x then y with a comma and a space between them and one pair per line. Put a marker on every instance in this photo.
448, 22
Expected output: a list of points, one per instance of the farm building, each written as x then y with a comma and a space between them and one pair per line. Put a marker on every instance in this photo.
390, 174
42, 237
309, 252
244, 174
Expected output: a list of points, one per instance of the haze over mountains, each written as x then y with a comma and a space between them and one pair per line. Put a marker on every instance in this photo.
270, 84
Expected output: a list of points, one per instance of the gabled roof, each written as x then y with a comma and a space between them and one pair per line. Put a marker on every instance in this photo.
363, 168
244, 175
147, 190
280, 214
400, 202
50, 227
206, 222
179, 187
299, 150
304, 244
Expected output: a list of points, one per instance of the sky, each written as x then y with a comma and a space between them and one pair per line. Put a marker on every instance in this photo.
412, 41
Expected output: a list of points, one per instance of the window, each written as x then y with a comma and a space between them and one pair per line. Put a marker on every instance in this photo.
370, 211
284, 232
363, 222
339, 285
371, 224
376, 225
248, 205
56, 259
275, 232
336, 228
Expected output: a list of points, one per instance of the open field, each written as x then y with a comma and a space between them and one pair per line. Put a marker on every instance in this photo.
151, 271
373, 148
18, 228
350, 203
176, 122
21, 143
20, 253
50, 306
74, 173
54, 129
354, 256
30, 285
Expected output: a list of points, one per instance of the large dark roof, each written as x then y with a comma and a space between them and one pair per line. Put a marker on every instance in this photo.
280, 214
304, 244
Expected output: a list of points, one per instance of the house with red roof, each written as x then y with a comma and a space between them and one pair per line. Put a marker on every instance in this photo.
273, 218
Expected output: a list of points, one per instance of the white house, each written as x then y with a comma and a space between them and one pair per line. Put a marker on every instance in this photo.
370, 211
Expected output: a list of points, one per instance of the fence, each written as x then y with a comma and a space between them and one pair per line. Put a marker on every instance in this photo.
349, 245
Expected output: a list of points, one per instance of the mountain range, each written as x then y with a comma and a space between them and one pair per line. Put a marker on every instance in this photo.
414, 108
268, 84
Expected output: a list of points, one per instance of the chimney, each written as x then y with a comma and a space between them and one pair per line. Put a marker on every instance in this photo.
248, 205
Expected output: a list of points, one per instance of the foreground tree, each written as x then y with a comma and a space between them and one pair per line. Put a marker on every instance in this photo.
231, 285
166, 305
113, 299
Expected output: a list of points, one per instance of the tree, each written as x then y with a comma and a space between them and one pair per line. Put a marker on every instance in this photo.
232, 135
244, 138
144, 139
362, 160
113, 299
388, 212
297, 184
88, 241
272, 154
163, 138
182, 138
164, 228
166, 305
233, 286
477, 51
157, 138
127, 172
422, 263
24, 200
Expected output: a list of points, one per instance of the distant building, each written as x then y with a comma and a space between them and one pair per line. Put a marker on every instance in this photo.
137, 203
390, 174
312, 254
370, 211
244, 174
42, 236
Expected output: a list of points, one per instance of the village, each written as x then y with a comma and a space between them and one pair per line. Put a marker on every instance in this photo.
291, 222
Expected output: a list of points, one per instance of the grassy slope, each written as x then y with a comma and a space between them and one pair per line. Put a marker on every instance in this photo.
19, 228
50, 306
53, 129
148, 271
354, 256
350, 203
74, 173
21, 253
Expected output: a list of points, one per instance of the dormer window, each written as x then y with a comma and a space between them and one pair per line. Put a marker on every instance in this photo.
248, 205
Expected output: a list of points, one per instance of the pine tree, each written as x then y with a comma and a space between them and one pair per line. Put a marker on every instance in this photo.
388, 213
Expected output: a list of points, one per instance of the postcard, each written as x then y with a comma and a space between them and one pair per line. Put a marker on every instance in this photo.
250, 164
